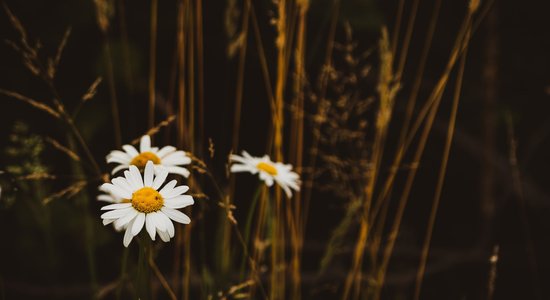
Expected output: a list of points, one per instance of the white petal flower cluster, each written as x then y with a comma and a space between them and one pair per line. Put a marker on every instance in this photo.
141, 199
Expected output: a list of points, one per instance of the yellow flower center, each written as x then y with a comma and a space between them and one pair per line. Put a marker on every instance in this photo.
141, 159
269, 169
147, 200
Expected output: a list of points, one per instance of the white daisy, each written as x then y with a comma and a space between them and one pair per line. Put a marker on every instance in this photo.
267, 170
147, 204
167, 157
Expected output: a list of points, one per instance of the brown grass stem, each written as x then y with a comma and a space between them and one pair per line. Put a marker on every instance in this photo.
112, 92
411, 103
294, 207
161, 277
407, 40
125, 45
314, 149
436, 96
441, 178
152, 61
181, 128
262, 57
387, 90
200, 74
522, 204
397, 26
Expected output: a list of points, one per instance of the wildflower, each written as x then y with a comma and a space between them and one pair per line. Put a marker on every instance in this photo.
166, 157
267, 170
146, 205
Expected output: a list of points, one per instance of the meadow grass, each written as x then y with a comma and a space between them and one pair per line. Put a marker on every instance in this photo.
261, 256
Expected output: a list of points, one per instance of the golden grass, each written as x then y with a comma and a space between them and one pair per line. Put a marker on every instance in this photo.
271, 242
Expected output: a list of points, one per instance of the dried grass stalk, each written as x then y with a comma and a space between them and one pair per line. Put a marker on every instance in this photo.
67, 192
62, 148
157, 128
32, 102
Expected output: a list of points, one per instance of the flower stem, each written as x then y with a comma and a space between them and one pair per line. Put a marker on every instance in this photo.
143, 283
248, 224
122, 279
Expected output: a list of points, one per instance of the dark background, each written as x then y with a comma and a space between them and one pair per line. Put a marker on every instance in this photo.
465, 233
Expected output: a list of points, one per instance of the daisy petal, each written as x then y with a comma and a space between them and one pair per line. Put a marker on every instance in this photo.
131, 181
108, 221
162, 173
128, 234
158, 221
150, 226
179, 202
165, 151
176, 158
131, 150
138, 224
116, 206
171, 229
118, 168
266, 178
145, 144
169, 186
134, 171
246, 155
118, 227
242, 168
167, 223
179, 170
106, 198
122, 183
120, 192
174, 192
148, 176
122, 222
119, 156
164, 236
176, 215
286, 189
118, 213
237, 158
114, 159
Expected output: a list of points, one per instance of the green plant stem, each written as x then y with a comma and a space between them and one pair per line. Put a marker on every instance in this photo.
123, 266
84, 202
143, 283
248, 224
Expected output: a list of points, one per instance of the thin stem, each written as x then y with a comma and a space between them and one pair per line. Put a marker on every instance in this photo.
461, 44
406, 42
68, 119
441, 180
152, 62
143, 282
397, 26
248, 224
122, 278
420, 73
160, 277
251, 259
125, 45
112, 92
